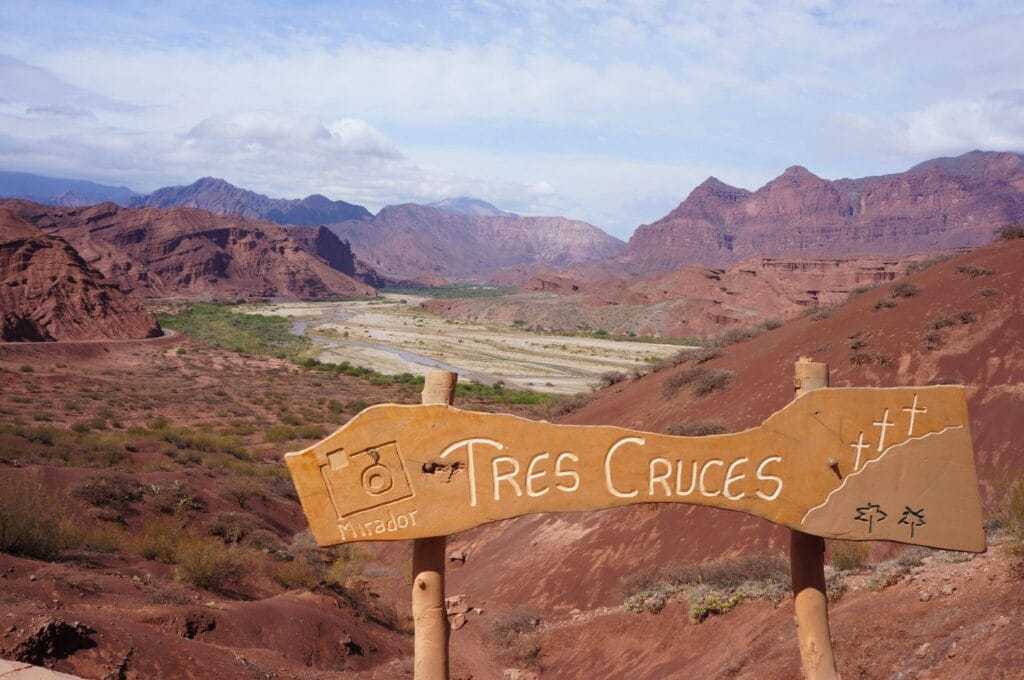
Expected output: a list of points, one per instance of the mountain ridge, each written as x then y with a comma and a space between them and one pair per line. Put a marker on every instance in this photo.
942, 203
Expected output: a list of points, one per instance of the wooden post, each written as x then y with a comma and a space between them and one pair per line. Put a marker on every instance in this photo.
807, 565
428, 557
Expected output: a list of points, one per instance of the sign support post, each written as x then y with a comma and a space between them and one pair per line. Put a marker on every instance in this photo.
428, 562
807, 565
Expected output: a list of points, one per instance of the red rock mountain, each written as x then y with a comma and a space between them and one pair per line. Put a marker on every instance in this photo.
47, 292
223, 198
939, 204
149, 252
418, 242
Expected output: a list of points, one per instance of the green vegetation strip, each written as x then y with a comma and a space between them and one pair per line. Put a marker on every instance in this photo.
455, 290
218, 325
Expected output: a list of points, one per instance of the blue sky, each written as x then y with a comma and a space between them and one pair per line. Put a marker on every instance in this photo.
605, 111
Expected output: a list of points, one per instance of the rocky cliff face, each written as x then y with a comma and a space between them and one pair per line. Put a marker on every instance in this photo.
222, 198
942, 203
693, 301
337, 252
417, 242
47, 292
189, 252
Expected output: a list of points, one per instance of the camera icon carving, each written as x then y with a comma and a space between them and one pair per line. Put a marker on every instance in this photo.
365, 480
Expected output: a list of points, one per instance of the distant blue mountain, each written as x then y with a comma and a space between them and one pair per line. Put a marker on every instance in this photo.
464, 205
60, 190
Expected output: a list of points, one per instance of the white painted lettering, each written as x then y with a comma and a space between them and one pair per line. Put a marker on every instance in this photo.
609, 484
509, 477
730, 478
662, 479
469, 443
679, 479
704, 471
769, 478
559, 472
531, 475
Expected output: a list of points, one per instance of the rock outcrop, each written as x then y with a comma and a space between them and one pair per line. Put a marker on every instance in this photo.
47, 292
940, 204
186, 252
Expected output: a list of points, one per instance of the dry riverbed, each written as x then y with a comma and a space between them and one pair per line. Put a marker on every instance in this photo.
394, 335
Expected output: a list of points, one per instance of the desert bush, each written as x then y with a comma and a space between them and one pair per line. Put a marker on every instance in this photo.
105, 538
941, 322
711, 587
176, 498
731, 336
933, 340
860, 290
208, 563
612, 378
884, 304
510, 626
771, 324
821, 312
905, 290
1014, 520
26, 528
696, 428
232, 527
567, 404
972, 272
848, 555
109, 490
243, 489
930, 262
1010, 232
294, 574
157, 540
700, 379
886, 574
967, 317
349, 560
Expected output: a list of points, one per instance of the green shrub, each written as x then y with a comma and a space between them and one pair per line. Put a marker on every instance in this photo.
972, 272
25, 529
157, 540
294, 574
208, 563
109, 490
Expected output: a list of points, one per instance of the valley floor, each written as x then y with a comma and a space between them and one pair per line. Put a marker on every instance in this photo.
394, 335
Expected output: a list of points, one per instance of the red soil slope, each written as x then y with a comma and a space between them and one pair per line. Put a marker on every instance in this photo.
47, 292
541, 556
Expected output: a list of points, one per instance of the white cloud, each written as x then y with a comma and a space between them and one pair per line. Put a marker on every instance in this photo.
949, 126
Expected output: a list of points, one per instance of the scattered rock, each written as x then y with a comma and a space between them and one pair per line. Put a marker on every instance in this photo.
32, 578
922, 651
459, 556
925, 597
459, 621
948, 589
517, 674
196, 623
350, 646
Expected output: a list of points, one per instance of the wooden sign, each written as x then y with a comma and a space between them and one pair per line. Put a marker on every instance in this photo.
890, 464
